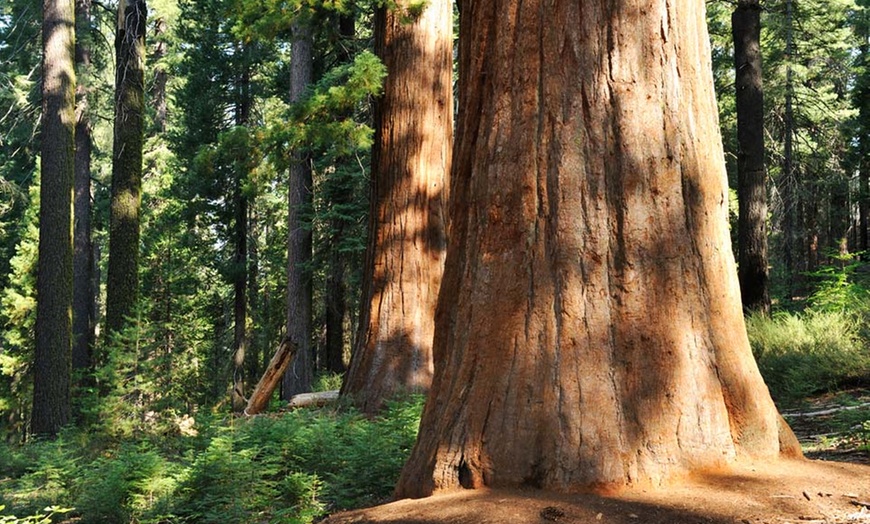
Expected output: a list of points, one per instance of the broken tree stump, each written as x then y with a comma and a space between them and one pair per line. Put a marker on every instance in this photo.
270, 379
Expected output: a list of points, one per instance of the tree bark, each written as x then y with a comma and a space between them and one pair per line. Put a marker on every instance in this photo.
240, 241
336, 290
336, 306
751, 177
54, 280
589, 332
84, 308
299, 375
407, 223
161, 76
788, 179
122, 285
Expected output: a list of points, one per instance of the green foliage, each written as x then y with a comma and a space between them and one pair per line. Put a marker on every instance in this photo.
841, 287
804, 353
45, 518
291, 468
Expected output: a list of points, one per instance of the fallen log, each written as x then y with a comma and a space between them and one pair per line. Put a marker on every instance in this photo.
316, 399
270, 379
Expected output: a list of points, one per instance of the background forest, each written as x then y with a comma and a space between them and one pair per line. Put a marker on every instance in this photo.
153, 435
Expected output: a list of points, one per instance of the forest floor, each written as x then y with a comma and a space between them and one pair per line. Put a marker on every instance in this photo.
833, 487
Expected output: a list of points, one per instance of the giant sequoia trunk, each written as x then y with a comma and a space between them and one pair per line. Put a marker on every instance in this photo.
122, 285
589, 331
751, 187
410, 163
54, 291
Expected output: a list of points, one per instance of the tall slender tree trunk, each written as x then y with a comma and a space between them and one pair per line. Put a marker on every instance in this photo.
788, 182
336, 290
84, 308
240, 240
161, 75
122, 284
336, 306
861, 96
407, 223
299, 374
589, 331
751, 178
54, 280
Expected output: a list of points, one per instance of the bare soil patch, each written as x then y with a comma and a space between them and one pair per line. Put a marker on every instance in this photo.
793, 491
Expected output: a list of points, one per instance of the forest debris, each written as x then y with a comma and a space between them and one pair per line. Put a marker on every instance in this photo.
806, 495
269, 381
828, 411
860, 503
552, 513
316, 399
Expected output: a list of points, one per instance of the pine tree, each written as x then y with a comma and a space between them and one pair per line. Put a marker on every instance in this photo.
54, 293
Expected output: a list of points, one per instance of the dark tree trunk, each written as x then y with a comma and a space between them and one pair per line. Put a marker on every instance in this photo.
407, 223
788, 178
335, 308
298, 377
84, 308
54, 280
240, 257
863, 204
589, 331
751, 178
336, 290
122, 285
161, 76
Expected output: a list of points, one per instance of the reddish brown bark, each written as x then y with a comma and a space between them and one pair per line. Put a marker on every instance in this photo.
589, 332
411, 160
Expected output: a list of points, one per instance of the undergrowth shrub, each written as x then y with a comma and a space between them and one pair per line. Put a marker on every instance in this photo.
810, 352
282, 468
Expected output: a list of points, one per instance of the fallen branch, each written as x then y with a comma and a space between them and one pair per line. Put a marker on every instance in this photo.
319, 398
828, 411
270, 379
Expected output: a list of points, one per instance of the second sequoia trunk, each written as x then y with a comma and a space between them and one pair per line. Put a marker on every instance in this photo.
411, 159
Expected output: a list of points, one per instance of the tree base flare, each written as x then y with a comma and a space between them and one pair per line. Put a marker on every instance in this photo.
774, 491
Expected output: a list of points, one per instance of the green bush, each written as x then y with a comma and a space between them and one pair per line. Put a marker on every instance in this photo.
804, 353
287, 468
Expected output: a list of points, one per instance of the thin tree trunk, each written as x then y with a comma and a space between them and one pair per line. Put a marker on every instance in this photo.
789, 184
335, 306
54, 280
122, 286
336, 290
751, 178
84, 310
298, 377
407, 223
589, 331
240, 258
158, 90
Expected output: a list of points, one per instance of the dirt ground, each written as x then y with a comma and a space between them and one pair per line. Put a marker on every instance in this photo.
799, 492
805, 492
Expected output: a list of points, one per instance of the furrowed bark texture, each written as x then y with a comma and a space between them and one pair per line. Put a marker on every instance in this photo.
84, 306
298, 377
54, 288
411, 162
122, 284
589, 332
751, 178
